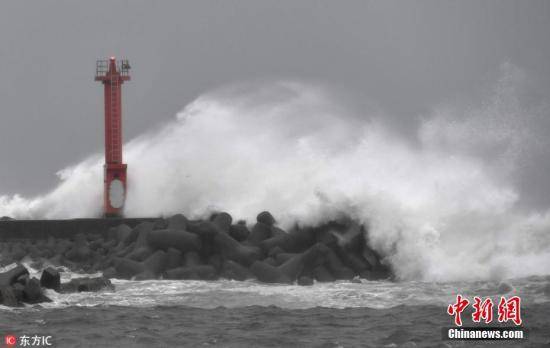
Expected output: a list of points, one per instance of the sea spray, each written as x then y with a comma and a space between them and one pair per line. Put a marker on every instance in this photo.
443, 206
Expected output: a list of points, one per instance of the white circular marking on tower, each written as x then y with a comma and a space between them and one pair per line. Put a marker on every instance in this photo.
116, 194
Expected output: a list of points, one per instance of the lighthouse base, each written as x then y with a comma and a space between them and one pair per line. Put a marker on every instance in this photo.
114, 189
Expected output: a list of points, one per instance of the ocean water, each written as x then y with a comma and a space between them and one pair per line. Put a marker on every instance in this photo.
168, 313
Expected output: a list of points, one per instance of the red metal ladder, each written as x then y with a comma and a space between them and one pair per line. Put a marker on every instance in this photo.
115, 121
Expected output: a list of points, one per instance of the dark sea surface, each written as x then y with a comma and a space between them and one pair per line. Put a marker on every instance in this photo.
166, 313
254, 326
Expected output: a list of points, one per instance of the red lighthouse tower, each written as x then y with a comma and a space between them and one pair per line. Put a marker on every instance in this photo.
113, 74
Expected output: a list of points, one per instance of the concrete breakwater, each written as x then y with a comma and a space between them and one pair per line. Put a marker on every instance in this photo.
178, 248
11, 229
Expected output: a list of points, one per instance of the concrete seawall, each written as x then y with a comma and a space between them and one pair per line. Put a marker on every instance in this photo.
42, 229
178, 248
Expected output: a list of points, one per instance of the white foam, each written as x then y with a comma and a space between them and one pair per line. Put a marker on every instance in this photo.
439, 209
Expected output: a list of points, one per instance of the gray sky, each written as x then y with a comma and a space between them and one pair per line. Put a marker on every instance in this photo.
407, 56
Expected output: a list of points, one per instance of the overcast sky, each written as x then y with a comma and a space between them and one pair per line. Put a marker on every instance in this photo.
406, 56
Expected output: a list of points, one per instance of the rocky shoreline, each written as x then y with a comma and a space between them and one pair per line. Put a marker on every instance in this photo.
17, 287
177, 248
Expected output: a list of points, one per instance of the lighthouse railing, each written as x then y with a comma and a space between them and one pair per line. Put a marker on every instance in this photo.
102, 67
